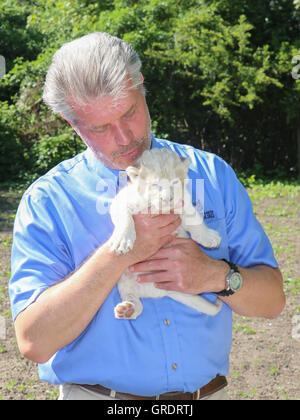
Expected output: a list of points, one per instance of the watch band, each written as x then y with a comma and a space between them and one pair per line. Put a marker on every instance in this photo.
228, 291
231, 265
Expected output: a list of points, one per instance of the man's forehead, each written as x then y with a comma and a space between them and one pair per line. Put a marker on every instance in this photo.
104, 108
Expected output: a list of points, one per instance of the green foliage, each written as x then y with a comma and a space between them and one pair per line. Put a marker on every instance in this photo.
11, 151
218, 75
50, 150
16, 40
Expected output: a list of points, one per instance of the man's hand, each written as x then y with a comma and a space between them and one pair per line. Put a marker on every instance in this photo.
182, 266
152, 233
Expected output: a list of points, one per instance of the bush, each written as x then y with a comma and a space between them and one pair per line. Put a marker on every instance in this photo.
218, 75
50, 150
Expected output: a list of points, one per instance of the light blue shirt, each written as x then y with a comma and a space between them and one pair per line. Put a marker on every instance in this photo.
63, 217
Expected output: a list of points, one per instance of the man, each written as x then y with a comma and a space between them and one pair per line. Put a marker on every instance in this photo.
64, 275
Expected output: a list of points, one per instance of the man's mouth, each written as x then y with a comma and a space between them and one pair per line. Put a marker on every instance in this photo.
130, 154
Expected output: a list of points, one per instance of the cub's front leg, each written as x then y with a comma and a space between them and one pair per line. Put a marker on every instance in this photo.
124, 235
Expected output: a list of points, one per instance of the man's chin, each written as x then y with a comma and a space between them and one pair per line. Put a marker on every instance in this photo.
122, 161
128, 159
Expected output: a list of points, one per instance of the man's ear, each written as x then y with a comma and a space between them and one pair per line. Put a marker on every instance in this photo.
70, 122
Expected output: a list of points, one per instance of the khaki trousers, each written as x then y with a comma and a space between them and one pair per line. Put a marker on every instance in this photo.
76, 392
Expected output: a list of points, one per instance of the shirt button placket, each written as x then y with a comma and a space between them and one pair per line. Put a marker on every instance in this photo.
122, 181
168, 322
171, 343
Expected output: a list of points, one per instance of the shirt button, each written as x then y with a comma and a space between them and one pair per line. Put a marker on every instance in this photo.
174, 366
167, 321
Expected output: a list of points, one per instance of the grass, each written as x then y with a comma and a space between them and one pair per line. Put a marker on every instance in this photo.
280, 203
277, 206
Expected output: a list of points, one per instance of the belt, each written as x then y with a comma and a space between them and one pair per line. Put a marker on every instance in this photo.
213, 386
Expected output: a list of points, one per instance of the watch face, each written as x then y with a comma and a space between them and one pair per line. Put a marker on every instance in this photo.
235, 281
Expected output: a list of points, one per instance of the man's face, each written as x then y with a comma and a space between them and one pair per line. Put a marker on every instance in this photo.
117, 132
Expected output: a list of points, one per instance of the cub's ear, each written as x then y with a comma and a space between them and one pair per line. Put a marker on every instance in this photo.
186, 162
132, 172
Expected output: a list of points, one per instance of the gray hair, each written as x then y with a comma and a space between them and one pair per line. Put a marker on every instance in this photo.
89, 68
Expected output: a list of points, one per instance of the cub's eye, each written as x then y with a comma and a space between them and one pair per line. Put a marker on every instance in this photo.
175, 181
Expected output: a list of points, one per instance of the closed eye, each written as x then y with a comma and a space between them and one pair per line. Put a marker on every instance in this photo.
101, 129
130, 113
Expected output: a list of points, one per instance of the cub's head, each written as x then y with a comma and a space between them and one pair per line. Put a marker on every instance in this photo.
159, 177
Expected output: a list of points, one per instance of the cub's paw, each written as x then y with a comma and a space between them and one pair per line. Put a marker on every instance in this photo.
125, 310
211, 239
122, 244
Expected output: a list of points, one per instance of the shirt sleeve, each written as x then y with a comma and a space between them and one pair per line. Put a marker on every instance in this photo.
248, 243
40, 257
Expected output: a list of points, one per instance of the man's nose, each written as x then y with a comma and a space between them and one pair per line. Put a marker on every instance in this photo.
122, 134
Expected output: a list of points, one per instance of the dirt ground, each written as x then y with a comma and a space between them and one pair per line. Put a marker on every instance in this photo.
265, 357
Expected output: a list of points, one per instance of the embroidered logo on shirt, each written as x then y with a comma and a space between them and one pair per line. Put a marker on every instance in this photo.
209, 214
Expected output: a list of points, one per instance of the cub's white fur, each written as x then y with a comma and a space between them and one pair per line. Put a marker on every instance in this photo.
157, 182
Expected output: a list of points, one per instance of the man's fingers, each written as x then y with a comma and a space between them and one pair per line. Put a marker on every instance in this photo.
170, 227
177, 210
151, 265
167, 285
156, 277
158, 220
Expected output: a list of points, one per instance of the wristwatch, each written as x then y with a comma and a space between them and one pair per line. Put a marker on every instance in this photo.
233, 280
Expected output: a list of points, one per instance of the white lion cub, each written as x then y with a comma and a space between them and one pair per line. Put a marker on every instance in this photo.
157, 182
